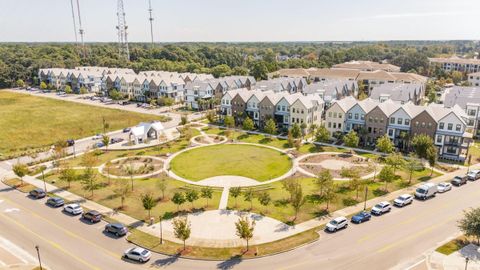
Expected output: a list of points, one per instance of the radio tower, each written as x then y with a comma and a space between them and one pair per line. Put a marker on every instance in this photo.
122, 32
150, 19
74, 22
80, 30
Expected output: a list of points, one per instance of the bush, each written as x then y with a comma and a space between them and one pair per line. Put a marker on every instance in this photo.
349, 202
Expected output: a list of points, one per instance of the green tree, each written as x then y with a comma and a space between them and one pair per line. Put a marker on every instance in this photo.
259, 70
68, 89
322, 134
43, 86
20, 170
211, 117
178, 199
329, 195
206, 193
89, 180
245, 228
354, 175
248, 196
221, 71
298, 199
395, 160
351, 139
457, 77
470, 223
229, 121
130, 170
105, 141
296, 131
183, 120
235, 192
67, 175
191, 196
148, 202
162, 186
385, 145
122, 190
412, 164
324, 181
182, 229
270, 127
83, 91
386, 175
432, 157
264, 199
20, 83
421, 143
248, 124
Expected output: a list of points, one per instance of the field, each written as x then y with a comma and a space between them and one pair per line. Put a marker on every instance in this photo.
255, 162
29, 123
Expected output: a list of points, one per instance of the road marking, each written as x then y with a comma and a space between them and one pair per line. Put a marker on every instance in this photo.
16, 251
112, 254
52, 243
11, 210
415, 264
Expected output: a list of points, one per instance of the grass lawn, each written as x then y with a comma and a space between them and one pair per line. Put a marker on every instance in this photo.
133, 206
453, 245
153, 243
17, 184
255, 162
30, 122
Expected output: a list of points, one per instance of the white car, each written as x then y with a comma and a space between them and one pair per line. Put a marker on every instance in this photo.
444, 187
73, 209
381, 208
137, 254
337, 224
403, 200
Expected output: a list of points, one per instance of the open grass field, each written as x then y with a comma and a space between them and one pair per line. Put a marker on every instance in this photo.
259, 163
28, 122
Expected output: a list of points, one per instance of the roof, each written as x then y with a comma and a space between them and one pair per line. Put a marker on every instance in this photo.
461, 96
367, 104
142, 128
367, 66
346, 103
397, 91
389, 107
455, 60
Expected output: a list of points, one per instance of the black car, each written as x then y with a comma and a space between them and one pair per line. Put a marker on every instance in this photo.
55, 201
116, 140
117, 229
92, 216
459, 180
37, 193
70, 142
125, 130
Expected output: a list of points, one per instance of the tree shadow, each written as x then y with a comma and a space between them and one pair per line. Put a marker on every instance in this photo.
167, 261
379, 192
230, 263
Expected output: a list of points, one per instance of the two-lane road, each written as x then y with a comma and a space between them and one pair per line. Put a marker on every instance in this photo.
398, 237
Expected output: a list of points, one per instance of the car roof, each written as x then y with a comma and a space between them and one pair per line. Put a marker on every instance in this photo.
117, 224
138, 249
339, 219
73, 205
93, 212
384, 203
55, 198
405, 195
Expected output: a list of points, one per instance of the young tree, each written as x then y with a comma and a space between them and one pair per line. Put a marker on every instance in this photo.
191, 196
122, 190
290, 185
83, 91
130, 170
229, 121
105, 141
43, 86
351, 139
421, 143
183, 120
470, 223
178, 199
329, 195
303, 129
412, 164
322, 134
68, 89
248, 124
432, 157
385, 145
354, 176
395, 160
324, 180
235, 192
245, 229
206, 193
182, 229
20, 170
211, 116
248, 196
264, 198
20, 83
162, 186
386, 175
270, 127
296, 131
67, 175
298, 199
148, 202
89, 180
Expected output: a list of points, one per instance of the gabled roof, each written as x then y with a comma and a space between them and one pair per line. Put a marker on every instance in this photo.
389, 107
346, 103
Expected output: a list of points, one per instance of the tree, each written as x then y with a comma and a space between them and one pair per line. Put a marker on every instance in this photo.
248, 196
264, 198
385, 145
395, 160
324, 180
329, 195
386, 175
43, 86
130, 170
248, 124
206, 193
245, 228
470, 223
432, 157
421, 143
148, 202
67, 175
191, 196
290, 185
457, 77
183, 120
221, 71
162, 186
270, 127
211, 116
20, 170
259, 70
89, 180
105, 141
182, 229
322, 134
303, 129
351, 139
122, 190
354, 176
83, 91
229, 121
178, 199
412, 164
68, 89
296, 131
20, 83
235, 192
298, 199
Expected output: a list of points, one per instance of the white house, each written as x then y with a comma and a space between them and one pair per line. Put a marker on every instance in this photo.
144, 132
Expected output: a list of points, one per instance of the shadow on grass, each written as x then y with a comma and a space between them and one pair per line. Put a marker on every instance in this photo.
230, 263
265, 140
380, 192
243, 136
424, 178
323, 213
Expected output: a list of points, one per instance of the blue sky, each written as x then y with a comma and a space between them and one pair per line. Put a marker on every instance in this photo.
245, 20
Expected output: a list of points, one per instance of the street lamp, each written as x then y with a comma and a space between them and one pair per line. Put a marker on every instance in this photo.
44, 183
466, 262
38, 255
161, 231
365, 201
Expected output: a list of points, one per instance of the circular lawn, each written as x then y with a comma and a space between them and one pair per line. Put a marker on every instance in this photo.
255, 162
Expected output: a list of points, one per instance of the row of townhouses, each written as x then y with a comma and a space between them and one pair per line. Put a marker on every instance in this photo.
468, 99
399, 92
285, 108
372, 119
471, 65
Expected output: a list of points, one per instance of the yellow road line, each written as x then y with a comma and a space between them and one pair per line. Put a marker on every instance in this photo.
52, 243
112, 254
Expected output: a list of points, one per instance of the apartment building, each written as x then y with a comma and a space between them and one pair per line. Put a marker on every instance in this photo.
474, 79
456, 64
368, 66
399, 92
468, 99
290, 85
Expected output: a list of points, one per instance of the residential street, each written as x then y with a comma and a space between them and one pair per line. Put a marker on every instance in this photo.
397, 238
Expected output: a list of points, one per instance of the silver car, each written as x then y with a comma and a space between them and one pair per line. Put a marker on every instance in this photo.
444, 187
137, 254
403, 200
73, 209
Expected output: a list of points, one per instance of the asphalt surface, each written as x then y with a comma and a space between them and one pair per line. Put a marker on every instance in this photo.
396, 238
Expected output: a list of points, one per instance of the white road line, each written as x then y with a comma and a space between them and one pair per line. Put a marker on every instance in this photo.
11, 210
415, 264
2, 264
16, 251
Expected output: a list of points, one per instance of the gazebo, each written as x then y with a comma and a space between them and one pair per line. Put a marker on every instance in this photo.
144, 132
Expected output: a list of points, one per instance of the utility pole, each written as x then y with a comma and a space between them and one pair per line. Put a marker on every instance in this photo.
38, 255
365, 201
44, 183
151, 20
161, 231
122, 32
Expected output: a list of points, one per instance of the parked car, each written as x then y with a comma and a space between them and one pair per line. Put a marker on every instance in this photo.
37, 193
473, 175
98, 145
459, 180
73, 209
116, 140
55, 201
361, 217
92, 216
97, 137
123, 103
381, 208
137, 254
125, 130
70, 142
403, 200
337, 224
426, 191
118, 229
444, 187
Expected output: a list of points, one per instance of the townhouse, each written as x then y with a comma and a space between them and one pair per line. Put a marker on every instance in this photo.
474, 79
290, 85
399, 92
468, 99
377, 120
399, 124
332, 90
355, 119
456, 64
335, 115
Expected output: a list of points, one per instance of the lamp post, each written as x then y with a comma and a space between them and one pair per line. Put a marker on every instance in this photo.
161, 231
44, 183
365, 201
466, 262
469, 162
38, 255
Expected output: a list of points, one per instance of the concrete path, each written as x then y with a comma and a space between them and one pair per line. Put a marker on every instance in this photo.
224, 199
229, 181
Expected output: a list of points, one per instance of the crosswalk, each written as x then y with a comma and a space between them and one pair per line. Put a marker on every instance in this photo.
11, 254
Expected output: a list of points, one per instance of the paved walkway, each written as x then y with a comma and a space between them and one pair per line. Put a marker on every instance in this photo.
224, 199
456, 260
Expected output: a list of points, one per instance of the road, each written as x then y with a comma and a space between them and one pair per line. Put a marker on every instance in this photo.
399, 237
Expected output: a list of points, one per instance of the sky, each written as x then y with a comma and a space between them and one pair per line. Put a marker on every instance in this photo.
244, 20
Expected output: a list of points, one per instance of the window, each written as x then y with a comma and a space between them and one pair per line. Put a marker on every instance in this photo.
334, 125
392, 120
381, 120
390, 132
458, 127
407, 122
450, 126
370, 119
441, 125
278, 108
349, 115
439, 139
339, 125
375, 120
400, 121
293, 110
423, 124
329, 125
429, 125
356, 116
340, 115
334, 115
329, 114
416, 124
362, 117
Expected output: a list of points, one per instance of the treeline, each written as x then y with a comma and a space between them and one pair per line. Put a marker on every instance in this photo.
22, 60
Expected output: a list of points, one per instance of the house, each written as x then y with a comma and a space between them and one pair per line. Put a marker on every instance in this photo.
239, 104
355, 119
399, 124
331, 90
267, 108
399, 92
474, 79
306, 110
368, 66
468, 99
335, 115
198, 92
144, 132
376, 120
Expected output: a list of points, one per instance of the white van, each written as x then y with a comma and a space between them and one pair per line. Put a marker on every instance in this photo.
426, 191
